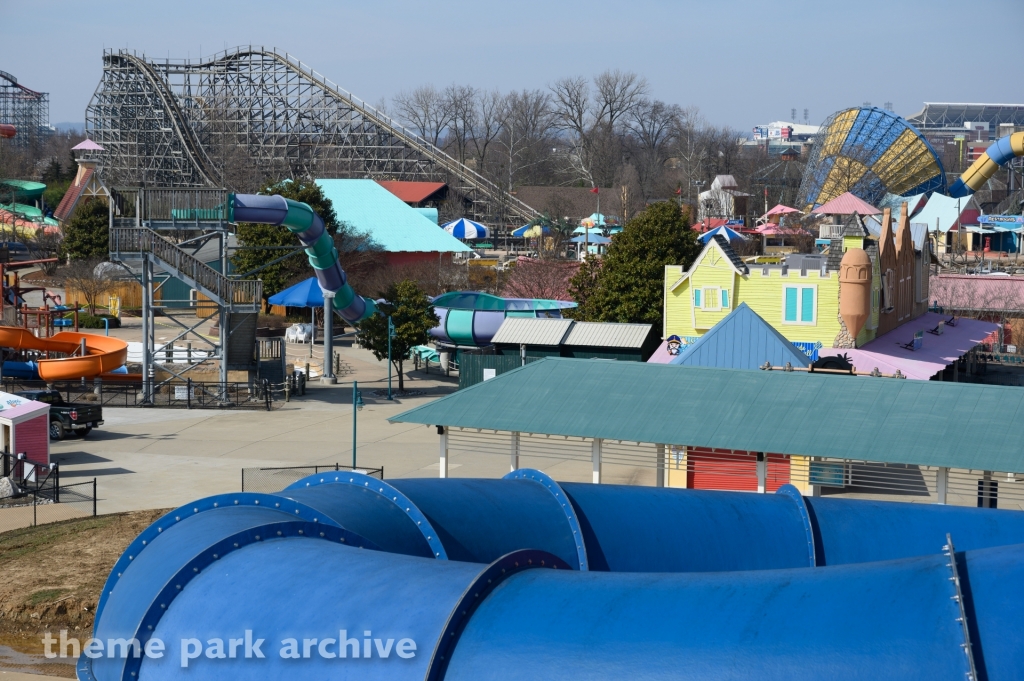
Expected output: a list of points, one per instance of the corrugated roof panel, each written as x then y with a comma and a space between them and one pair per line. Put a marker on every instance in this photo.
608, 335
529, 331
370, 208
861, 418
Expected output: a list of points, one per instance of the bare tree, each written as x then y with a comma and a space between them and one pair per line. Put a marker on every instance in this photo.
573, 116
489, 123
461, 102
425, 110
618, 94
91, 278
525, 135
653, 125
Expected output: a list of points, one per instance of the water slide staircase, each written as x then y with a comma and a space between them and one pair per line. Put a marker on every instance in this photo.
241, 299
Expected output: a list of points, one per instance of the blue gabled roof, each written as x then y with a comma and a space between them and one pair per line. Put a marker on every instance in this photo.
371, 209
741, 341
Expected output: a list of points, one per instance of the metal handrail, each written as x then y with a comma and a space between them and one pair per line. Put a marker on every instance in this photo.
223, 290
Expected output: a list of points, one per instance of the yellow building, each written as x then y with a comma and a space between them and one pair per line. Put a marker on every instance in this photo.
799, 297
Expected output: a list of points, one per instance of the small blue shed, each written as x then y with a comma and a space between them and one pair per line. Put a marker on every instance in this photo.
742, 340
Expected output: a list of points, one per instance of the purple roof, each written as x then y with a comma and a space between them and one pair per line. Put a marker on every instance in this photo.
937, 352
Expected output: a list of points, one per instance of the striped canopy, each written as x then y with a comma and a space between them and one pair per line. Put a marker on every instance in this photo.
466, 229
530, 230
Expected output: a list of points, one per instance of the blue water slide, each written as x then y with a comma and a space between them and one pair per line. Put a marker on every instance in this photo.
300, 219
623, 528
310, 594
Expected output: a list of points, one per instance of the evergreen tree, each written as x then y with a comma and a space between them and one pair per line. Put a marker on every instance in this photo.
87, 233
583, 290
630, 281
413, 317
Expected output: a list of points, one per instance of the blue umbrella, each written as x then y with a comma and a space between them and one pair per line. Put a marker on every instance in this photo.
594, 239
521, 232
730, 235
466, 229
304, 294
593, 230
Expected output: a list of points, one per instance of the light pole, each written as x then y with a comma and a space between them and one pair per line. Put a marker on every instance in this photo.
391, 334
357, 406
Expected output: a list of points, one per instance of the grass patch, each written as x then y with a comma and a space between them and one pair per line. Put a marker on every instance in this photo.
29, 540
44, 596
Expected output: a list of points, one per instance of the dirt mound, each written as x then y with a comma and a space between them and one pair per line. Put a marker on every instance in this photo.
53, 575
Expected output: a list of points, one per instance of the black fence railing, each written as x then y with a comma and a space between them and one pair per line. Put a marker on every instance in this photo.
32, 507
186, 395
25, 476
276, 479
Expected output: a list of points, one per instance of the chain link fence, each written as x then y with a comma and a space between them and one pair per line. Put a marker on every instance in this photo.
48, 505
276, 479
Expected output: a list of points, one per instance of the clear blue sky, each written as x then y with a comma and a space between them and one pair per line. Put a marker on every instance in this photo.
741, 62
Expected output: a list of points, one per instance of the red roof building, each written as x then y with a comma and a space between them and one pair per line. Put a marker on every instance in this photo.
417, 194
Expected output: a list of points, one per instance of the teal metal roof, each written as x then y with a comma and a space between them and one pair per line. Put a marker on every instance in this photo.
742, 340
368, 207
863, 418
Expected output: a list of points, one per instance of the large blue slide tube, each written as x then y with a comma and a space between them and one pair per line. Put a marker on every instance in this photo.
710, 584
300, 219
526, 616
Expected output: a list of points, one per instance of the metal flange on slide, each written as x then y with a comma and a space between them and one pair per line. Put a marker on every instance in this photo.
300, 219
342, 576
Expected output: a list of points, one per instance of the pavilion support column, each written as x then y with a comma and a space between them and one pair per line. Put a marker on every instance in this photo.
595, 459
514, 464
941, 484
443, 432
660, 471
762, 473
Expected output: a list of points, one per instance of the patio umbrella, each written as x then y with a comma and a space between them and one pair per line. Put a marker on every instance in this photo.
530, 231
730, 235
304, 294
595, 239
466, 229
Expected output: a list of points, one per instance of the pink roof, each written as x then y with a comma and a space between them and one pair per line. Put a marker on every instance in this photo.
661, 355
772, 228
936, 353
29, 407
846, 204
977, 293
708, 224
87, 145
780, 210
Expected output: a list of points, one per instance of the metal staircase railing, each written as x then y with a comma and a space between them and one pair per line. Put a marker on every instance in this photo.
133, 243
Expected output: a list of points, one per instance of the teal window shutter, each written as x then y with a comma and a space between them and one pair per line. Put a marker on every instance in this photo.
790, 311
807, 304
725, 299
696, 297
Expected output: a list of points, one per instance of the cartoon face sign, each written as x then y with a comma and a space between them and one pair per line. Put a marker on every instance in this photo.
674, 343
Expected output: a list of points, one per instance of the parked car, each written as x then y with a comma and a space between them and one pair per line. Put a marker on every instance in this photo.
65, 417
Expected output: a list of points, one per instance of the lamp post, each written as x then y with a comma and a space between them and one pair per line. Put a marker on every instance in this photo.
357, 406
391, 334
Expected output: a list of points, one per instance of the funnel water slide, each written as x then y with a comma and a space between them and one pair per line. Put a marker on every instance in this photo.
527, 578
104, 354
975, 177
300, 219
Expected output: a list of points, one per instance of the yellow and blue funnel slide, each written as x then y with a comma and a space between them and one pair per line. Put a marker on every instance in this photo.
975, 177
301, 221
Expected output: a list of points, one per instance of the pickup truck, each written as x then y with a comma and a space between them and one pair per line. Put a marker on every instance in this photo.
66, 417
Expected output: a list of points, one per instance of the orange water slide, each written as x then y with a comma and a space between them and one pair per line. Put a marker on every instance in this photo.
103, 353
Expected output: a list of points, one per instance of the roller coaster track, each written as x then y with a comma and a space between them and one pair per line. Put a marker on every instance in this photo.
322, 130
196, 153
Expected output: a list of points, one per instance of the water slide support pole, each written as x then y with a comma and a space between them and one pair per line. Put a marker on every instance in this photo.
147, 360
328, 377
595, 458
659, 473
514, 465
